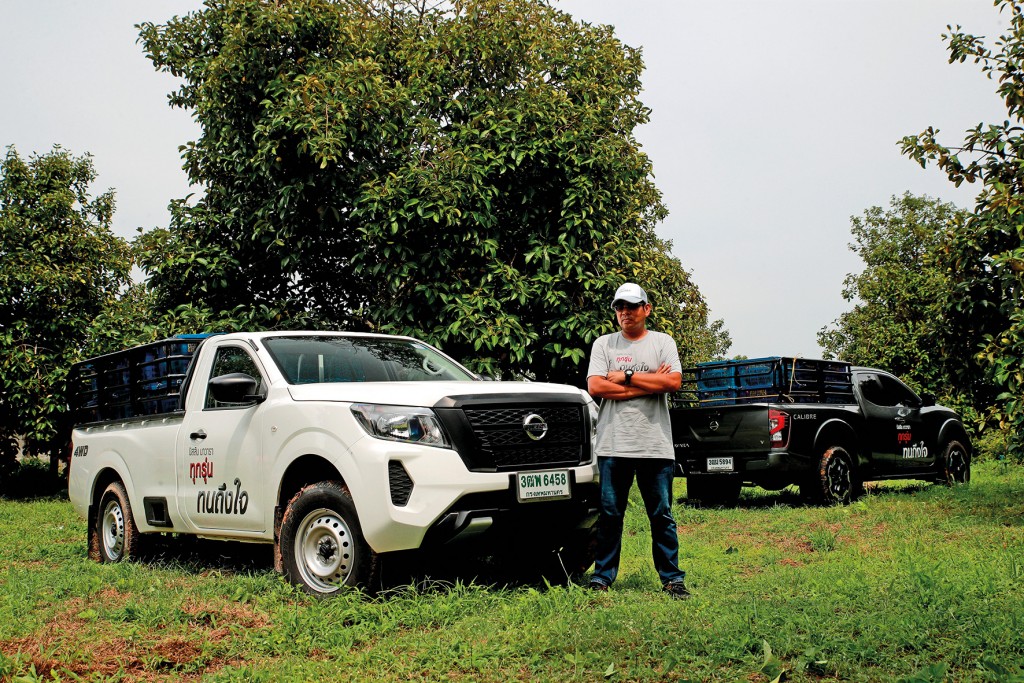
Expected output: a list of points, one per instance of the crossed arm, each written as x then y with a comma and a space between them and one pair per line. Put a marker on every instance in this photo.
613, 385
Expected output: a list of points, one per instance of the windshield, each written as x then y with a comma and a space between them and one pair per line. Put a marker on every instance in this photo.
321, 359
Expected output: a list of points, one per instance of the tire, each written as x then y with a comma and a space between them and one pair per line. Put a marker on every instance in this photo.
955, 466
322, 544
115, 536
705, 490
836, 481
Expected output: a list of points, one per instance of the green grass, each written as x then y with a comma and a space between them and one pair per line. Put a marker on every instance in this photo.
913, 582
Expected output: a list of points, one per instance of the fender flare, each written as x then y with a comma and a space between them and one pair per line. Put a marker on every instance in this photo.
320, 444
111, 466
953, 430
837, 432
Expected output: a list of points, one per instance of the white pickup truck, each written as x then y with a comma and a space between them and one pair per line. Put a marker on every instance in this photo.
336, 447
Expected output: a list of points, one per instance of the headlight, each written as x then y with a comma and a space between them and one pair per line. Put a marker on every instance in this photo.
594, 410
401, 423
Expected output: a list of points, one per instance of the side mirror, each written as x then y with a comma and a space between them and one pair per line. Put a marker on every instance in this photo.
236, 387
927, 400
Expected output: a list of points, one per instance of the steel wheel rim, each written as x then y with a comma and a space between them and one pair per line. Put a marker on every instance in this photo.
324, 550
838, 478
956, 466
112, 530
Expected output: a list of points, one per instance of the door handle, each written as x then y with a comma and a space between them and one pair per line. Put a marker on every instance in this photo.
197, 436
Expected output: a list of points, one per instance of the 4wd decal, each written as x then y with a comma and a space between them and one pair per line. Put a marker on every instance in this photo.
81, 451
222, 501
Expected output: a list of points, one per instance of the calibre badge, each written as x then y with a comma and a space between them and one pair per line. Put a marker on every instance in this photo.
535, 426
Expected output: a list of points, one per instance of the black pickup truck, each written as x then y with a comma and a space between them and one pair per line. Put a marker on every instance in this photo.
822, 425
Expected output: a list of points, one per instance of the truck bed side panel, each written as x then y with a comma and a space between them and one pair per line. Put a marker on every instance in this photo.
126, 448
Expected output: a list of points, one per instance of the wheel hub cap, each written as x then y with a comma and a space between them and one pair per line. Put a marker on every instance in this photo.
324, 550
839, 479
113, 530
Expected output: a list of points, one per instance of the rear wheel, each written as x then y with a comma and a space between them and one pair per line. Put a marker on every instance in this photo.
322, 544
710, 490
115, 537
836, 481
955, 467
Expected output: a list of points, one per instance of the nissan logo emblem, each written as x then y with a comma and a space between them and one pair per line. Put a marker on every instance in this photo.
713, 426
535, 426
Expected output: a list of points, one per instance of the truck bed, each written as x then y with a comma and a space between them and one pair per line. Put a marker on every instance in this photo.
774, 379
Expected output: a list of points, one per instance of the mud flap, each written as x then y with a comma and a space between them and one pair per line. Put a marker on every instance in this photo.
278, 558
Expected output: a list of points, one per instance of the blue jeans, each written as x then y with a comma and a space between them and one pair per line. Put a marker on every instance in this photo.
654, 479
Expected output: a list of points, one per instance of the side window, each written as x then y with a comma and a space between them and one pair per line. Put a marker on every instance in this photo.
886, 391
897, 393
231, 359
871, 388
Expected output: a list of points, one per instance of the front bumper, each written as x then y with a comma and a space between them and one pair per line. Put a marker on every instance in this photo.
410, 496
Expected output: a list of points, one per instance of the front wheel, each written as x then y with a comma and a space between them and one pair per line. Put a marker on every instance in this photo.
115, 536
955, 467
836, 481
322, 542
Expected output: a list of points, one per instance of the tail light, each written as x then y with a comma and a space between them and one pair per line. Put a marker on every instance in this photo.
778, 428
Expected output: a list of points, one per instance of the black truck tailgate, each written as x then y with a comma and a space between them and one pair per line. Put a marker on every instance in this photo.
721, 429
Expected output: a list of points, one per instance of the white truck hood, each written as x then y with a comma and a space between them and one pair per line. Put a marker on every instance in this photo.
422, 394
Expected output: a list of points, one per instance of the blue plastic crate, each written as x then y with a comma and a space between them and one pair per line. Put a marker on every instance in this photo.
145, 380
758, 373
716, 376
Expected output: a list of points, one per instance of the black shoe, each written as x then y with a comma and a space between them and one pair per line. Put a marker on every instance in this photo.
597, 586
677, 590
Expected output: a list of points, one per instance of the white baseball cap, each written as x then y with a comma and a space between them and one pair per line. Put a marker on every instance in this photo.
631, 293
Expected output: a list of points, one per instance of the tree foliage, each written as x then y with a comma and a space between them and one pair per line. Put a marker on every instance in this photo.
987, 253
897, 313
465, 172
60, 266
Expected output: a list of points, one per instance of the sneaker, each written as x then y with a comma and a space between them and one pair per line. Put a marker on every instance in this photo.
677, 590
597, 586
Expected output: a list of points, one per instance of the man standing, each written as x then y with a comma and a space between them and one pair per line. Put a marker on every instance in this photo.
633, 371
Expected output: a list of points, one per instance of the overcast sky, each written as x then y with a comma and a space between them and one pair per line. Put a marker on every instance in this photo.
773, 122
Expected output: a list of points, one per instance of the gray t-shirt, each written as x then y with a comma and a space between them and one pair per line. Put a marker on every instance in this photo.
638, 427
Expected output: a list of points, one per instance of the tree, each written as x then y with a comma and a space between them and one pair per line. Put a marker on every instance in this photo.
465, 172
60, 266
898, 320
987, 277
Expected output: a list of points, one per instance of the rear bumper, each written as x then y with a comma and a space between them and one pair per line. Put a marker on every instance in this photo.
773, 467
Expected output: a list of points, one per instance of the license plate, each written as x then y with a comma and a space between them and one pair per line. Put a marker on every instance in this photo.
720, 464
542, 485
